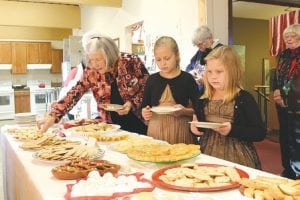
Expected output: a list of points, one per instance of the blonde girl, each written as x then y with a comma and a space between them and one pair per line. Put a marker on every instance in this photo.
224, 101
169, 87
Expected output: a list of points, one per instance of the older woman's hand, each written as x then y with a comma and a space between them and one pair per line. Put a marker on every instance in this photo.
45, 123
194, 129
277, 98
147, 113
125, 108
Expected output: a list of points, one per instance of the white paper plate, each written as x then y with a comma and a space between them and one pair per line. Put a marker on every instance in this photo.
164, 109
111, 107
211, 125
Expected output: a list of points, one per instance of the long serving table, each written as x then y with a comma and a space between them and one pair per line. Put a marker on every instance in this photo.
25, 178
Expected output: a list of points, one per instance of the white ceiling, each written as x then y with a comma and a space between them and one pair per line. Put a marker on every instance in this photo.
258, 10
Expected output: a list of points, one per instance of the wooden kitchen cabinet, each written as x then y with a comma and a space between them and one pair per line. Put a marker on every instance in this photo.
57, 58
22, 101
32, 53
45, 52
39, 53
19, 57
5, 52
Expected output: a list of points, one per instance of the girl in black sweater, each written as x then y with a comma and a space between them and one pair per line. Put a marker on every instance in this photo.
173, 88
225, 102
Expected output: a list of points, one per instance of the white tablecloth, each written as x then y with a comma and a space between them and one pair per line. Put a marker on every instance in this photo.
26, 178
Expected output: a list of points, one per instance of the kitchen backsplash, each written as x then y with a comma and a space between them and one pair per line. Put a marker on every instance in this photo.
30, 75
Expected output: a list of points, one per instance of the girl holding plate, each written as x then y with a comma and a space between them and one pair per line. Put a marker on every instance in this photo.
225, 102
168, 95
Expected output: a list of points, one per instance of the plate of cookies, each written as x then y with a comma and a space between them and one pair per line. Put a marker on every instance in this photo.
198, 177
263, 187
64, 153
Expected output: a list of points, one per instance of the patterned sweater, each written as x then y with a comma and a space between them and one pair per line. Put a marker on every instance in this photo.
130, 75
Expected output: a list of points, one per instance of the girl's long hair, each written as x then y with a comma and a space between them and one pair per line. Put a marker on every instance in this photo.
233, 71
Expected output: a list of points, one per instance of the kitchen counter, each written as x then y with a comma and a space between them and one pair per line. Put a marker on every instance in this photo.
22, 89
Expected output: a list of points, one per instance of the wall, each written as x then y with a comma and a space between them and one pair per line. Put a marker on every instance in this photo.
18, 13
174, 18
27, 21
33, 33
217, 19
254, 34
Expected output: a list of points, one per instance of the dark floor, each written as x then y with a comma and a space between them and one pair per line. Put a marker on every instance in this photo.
269, 152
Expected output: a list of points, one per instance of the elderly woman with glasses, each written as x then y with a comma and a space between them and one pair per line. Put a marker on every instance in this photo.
114, 78
286, 88
203, 39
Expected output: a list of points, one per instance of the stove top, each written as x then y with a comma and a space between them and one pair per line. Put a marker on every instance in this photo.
35, 83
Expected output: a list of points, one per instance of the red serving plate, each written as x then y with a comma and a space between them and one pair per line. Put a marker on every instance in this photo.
116, 195
159, 183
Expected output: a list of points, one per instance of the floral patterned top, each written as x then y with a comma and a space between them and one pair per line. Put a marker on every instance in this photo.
130, 75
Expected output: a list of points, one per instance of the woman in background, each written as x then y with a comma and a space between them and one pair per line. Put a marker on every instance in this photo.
203, 39
286, 94
113, 77
225, 102
169, 87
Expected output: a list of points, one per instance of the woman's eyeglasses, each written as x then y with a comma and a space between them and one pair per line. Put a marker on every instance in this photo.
290, 36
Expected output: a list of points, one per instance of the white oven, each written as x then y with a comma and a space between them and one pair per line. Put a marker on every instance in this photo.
7, 101
41, 98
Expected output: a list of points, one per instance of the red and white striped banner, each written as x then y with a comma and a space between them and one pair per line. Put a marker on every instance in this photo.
278, 24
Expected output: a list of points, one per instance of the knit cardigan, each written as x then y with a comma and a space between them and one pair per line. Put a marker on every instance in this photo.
247, 123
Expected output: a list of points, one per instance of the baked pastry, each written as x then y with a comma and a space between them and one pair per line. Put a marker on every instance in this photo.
80, 167
270, 188
197, 176
163, 152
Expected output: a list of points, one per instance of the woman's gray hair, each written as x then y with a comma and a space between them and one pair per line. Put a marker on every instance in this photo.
94, 41
294, 28
202, 33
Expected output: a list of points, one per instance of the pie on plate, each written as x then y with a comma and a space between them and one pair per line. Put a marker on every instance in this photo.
161, 153
132, 142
